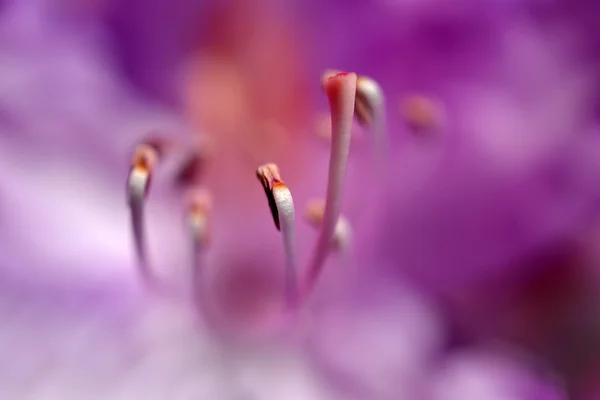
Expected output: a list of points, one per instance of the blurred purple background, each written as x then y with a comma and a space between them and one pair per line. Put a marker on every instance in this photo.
473, 271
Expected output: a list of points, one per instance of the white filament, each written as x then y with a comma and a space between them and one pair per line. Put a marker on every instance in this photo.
285, 207
342, 102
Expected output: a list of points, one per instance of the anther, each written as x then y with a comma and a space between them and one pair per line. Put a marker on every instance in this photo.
369, 100
267, 174
198, 204
370, 111
369, 108
143, 163
314, 213
328, 73
421, 113
198, 208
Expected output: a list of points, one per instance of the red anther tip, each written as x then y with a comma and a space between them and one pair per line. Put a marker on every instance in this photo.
277, 184
268, 176
335, 79
332, 77
339, 75
141, 165
145, 158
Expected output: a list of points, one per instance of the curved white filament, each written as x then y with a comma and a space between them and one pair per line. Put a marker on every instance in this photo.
341, 92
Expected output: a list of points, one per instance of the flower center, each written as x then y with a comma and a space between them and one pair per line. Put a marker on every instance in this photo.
246, 291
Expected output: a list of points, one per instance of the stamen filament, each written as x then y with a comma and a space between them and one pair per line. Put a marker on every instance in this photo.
315, 210
199, 206
198, 209
145, 159
341, 92
282, 208
285, 205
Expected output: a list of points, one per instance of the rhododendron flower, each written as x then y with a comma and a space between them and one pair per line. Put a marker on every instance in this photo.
256, 201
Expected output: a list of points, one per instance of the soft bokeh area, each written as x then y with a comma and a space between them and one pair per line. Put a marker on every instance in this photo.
465, 262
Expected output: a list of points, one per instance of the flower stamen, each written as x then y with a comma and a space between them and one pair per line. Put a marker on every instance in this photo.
369, 108
421, 113
145, 160
369, 98
198, 205
282, 209
314, 213
341, 92
267, 174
